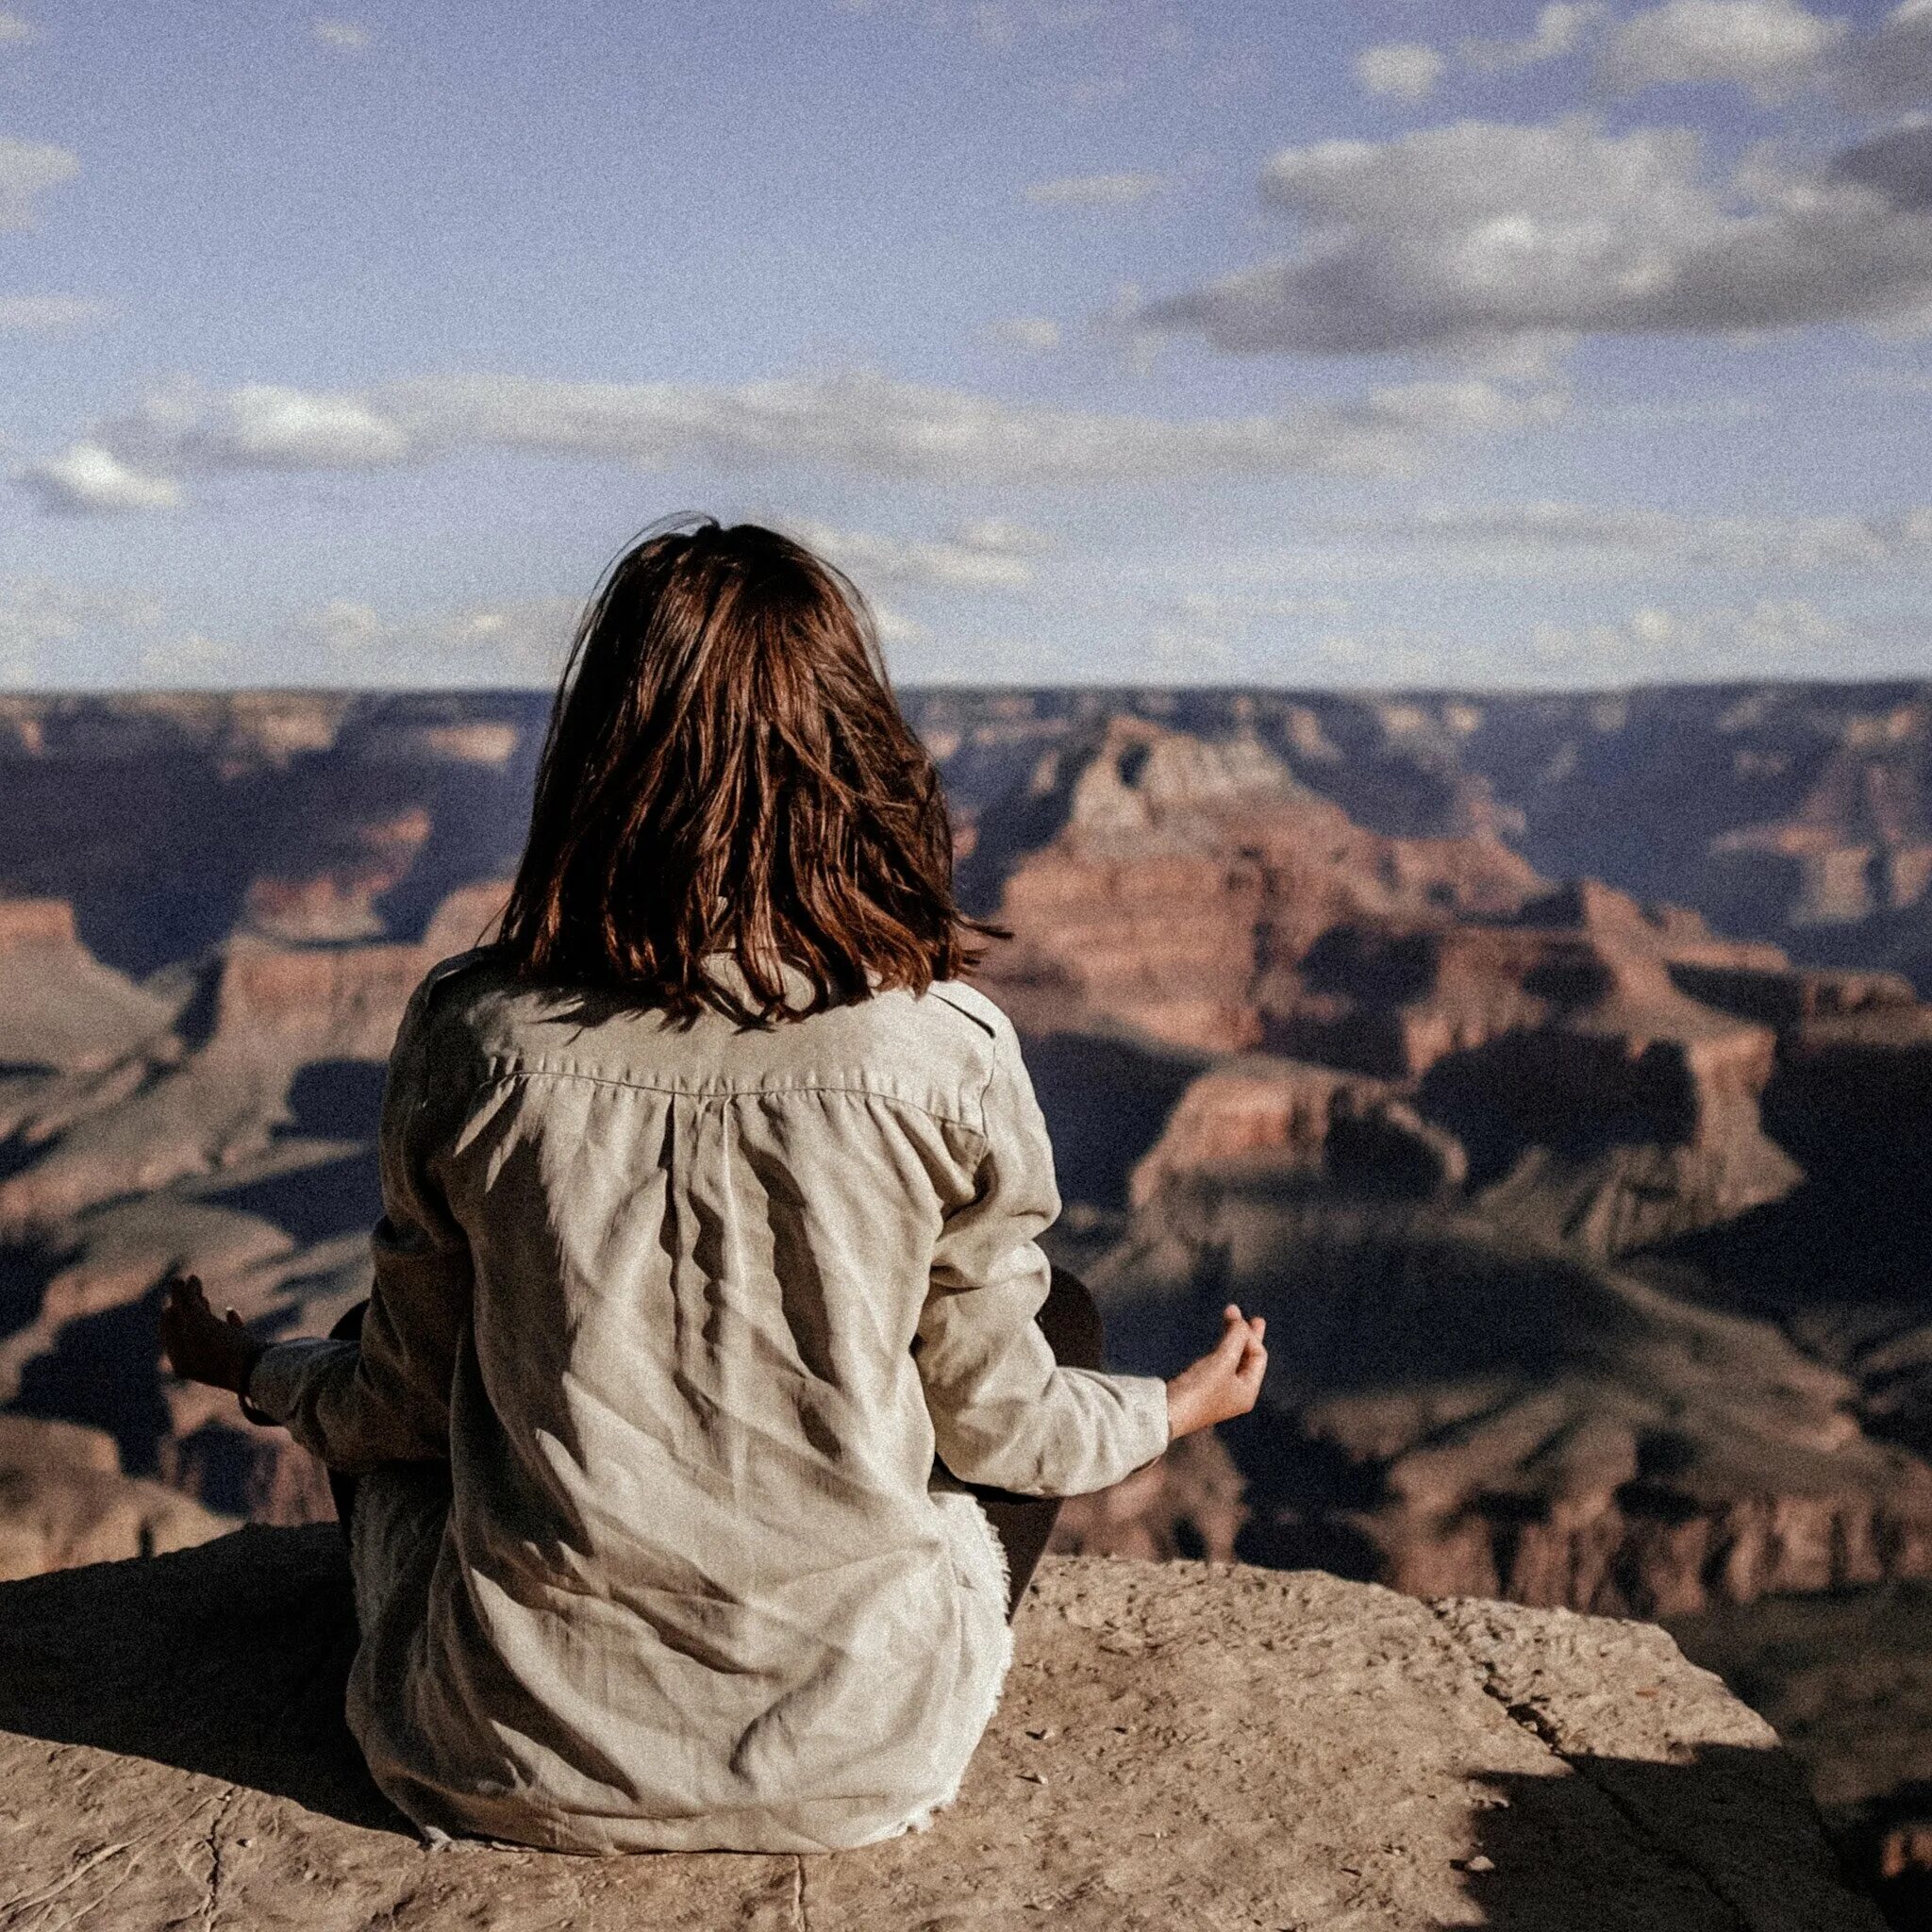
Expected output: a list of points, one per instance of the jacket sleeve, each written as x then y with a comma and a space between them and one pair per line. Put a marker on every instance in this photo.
386, 1397
1005, 1413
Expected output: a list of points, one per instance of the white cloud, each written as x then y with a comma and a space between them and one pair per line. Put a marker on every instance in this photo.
1037, 335
346, 36
1560, 29
1002, 536
921, 563
49, 314
28, 168
1412, 71
1790, 636
1097, 191
1186, 654
261, 425
41, 620
1636, 536
1769, 47
16, 32
865, 423
1475, 234
1003, 24
508, 640
1236, 612
1403, 70
895, 628
89, 480
192, 659
67, 635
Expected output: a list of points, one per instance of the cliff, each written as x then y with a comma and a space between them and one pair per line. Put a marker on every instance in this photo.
64, 1500
1179, 1744
1594, 1225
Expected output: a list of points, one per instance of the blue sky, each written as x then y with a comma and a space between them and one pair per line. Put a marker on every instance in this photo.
1102, 341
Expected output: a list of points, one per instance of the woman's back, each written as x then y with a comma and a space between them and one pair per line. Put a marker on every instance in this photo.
706, 1279
725, 1292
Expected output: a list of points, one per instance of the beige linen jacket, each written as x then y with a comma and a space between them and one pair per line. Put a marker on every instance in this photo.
668, 1325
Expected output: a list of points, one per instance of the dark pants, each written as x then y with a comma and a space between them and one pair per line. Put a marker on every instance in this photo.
1071, 1324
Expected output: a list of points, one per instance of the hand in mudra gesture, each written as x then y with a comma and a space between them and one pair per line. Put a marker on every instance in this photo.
1224, 1382
200, 1345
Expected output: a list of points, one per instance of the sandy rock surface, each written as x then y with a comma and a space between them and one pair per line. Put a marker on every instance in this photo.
1180, 1744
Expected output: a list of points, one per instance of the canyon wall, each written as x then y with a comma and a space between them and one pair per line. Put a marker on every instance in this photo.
1581, 1205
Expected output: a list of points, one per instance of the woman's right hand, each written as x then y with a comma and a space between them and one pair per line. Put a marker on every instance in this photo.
1224, 1382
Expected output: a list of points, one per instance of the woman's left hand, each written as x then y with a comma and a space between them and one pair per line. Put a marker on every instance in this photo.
200, 1345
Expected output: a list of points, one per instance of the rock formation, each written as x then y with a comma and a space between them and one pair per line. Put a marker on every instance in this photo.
1551, 1069
1179, 868
225, 1129
64, 1501
1179, 1744
1460, 1133
1450, 1411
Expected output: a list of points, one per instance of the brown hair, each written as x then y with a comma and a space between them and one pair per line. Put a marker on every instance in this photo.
725, 770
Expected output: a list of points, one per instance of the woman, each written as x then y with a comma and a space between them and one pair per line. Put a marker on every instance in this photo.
705, 1408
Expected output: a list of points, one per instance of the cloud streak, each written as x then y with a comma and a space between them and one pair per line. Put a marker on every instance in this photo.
1640, 536
40, 616
1097, 191
987, 556
89, 480
29, 169
345, 35
49, 314
867, 424
1559, 29
1403, 70
486, 641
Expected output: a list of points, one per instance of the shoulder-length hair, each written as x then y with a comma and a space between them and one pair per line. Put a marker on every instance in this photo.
726, 771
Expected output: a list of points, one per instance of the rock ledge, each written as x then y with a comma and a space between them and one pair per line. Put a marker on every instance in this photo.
1180, 1744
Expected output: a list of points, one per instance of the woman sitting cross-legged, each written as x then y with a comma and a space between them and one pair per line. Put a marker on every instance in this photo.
710, 1408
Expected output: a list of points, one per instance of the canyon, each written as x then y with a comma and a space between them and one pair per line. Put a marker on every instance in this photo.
1553, 1070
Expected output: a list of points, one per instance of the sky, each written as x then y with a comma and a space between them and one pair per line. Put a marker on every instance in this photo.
1121, 341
